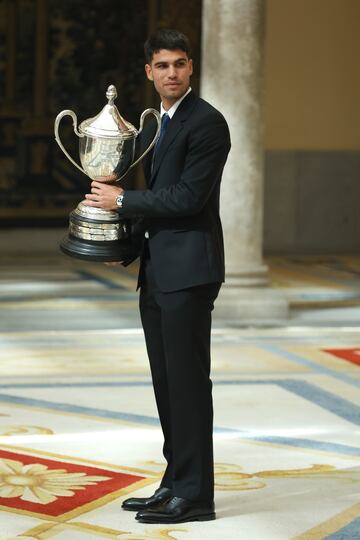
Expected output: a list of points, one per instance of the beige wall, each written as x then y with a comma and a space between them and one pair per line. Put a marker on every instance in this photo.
312, 81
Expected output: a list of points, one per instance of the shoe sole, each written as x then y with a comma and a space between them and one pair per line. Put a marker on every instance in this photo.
205, 517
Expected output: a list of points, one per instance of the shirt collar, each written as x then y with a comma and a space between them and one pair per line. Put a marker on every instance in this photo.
173, 108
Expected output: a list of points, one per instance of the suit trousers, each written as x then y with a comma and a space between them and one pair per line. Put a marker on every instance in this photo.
177, 327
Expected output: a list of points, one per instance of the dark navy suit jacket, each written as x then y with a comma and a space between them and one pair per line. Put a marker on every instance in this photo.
180, 208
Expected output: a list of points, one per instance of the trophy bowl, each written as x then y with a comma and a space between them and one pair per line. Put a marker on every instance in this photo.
107, 144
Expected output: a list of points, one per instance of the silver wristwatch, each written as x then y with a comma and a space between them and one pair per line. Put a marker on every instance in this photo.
119, 201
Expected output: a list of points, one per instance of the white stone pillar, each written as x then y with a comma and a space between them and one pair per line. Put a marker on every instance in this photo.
232, 81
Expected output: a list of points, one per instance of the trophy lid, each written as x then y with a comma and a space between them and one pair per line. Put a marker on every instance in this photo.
109, 123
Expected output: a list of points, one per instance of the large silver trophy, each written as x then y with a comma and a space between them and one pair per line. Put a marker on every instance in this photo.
107, 148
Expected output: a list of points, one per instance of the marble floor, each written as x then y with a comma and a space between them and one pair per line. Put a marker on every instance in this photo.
78, 423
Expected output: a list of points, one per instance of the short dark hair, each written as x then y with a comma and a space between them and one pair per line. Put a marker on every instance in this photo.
165, 38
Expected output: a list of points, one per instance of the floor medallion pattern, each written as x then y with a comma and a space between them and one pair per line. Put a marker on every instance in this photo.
54, 488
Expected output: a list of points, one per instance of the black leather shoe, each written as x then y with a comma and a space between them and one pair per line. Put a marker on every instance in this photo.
161, 495
178, 510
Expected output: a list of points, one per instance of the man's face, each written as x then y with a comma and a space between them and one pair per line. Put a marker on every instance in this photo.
170, 71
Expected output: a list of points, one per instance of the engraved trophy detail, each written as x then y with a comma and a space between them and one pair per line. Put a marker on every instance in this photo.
107, 146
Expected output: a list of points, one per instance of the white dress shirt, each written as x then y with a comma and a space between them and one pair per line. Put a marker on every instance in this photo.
173, 108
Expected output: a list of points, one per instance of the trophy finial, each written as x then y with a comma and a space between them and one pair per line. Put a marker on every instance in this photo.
111, 94
109, 123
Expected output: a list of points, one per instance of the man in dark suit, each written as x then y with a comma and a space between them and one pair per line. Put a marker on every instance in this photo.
181, 271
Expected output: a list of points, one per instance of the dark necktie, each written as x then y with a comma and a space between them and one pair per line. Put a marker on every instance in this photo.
165, 119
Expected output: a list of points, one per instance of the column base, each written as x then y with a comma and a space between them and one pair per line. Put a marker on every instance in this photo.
247, 275
251, 305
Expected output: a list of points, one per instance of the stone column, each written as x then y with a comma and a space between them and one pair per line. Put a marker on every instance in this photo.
232, 81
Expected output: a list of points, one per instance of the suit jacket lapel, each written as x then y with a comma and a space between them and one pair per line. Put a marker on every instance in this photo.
171, 132
174, 127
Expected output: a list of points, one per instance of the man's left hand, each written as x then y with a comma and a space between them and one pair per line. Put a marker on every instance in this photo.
102, 194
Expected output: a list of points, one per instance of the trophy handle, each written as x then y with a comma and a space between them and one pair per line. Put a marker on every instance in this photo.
142, 118
57, 137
